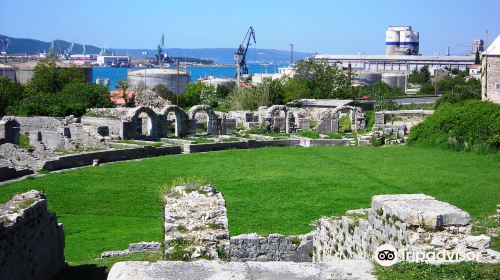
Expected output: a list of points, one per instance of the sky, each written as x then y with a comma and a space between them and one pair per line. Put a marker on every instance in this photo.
315, 26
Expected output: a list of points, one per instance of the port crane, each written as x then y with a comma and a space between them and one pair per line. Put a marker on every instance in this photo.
241, 53
161, 57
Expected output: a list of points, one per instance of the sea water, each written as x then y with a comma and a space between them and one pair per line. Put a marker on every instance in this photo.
116, 74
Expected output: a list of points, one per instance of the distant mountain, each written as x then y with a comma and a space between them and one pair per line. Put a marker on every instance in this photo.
31, 46
218, 55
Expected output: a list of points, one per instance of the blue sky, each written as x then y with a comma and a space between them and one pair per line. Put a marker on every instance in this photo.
322, 26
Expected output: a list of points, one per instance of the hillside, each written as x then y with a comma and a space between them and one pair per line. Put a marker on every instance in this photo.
219, 55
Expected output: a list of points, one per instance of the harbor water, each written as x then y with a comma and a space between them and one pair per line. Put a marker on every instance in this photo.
115, 74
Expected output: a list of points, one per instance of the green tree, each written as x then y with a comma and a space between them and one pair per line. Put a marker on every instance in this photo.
421, 76
322, 80
269, 92
294, 89
426, 89
164, 92
384, 96
195, 93
222, 91
459, 90
74, 99
49, 78
10, 94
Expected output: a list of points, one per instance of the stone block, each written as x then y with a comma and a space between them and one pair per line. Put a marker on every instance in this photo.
421, 210
31, 240
342, 270
144, 247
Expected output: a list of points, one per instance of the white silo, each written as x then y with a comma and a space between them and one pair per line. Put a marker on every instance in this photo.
395, 80
391, 41
155, 76
366, 78
401, 40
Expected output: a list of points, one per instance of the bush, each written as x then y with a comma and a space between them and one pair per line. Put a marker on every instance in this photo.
426, 89
471, 125
308, 134
74, 99
10, 93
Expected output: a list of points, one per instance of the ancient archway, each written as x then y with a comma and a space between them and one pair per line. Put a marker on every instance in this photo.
211, 118
355, 115
275, 121
142, 123
179, 123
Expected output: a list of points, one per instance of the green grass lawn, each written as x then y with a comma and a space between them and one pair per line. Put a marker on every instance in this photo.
267, 190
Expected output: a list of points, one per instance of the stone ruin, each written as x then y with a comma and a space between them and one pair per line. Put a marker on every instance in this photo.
133, 248
415, 222
281, 118
149, 98
196, 230
196, 225
31, 240
392, 127
50, 137
342, 270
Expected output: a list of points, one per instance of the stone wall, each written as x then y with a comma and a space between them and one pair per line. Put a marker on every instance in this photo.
196, 225
250, 144
114, 125
307, 142
490, 77
38, 123
9, 131
20, 157
31, 240
10, 172
85, 159
414, 221
210, 270
274, 247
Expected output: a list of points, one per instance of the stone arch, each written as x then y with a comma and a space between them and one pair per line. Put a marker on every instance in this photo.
135, 127
356, 117
211, 122
273, 122
180, 120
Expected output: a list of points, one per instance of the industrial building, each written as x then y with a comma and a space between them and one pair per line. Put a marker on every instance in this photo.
401, 55
397, 63
400, 59
113, 60
23, 72
170, 78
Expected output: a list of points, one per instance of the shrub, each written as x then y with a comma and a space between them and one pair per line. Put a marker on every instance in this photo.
308, 134
74, 99
377, 142
472, 125
24, 141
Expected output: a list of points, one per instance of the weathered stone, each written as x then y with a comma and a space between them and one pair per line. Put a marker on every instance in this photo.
31, 240
196, 223
341, 270
415, 222
361, 211
275, 247
478, 242
144, 247
421, 210
133, 248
